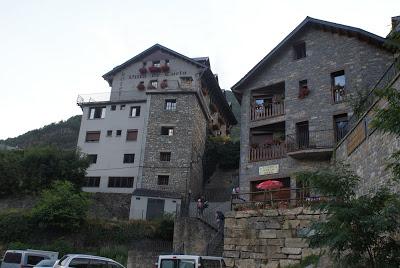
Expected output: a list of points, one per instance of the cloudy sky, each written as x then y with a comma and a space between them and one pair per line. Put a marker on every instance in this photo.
51, 51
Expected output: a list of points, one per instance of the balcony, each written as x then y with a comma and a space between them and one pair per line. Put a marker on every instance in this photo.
267, 152
317, 145
268, 110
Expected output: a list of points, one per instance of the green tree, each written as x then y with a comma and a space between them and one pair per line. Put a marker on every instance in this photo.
11, 172
359, 230
61, 208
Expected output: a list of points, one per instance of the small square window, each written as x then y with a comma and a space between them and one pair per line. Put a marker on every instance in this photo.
92, 158
153, 84
109, 133
135, 111
167, 131
97, 112
122, 107
119, 132
165, 156
156, 63
113, 107
170, 105
131, 134
299, 50
163, 180
129, 158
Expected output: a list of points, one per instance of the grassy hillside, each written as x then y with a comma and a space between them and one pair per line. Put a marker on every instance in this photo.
63, 134
236, 111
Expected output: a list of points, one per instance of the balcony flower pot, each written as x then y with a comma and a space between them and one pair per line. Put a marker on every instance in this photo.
164, 84
164, 68
143, 70
154, 69
303, 92
141, 86
213, 108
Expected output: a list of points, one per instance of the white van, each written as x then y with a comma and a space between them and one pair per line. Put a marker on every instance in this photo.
190, 261
86, 261
26, 258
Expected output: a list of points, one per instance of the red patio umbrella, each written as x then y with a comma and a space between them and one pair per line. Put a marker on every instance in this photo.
269, 185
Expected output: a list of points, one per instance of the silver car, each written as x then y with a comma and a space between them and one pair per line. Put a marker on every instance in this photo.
86, 261
26, 258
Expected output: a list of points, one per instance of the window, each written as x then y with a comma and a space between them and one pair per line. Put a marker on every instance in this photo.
120, 182
109, 133
113, 107
92, 136
92, 158
79, 263
153, 84
97, 264
341, 123
167, 131
186, 81
91, 182
12, 257
97, 112
338, 86
131, 134
122, 107
165, 156
163, 179
119, 132
135, 111
167, 62
34, 259
156, 63
170, 105
302, 135
299, 50
129, 158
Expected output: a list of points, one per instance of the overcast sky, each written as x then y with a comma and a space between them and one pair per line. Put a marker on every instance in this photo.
51, 51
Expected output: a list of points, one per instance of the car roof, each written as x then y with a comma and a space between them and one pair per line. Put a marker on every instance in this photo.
190, 256
92, 257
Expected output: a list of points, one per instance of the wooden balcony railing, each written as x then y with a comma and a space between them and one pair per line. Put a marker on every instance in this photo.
268, 110
267, 152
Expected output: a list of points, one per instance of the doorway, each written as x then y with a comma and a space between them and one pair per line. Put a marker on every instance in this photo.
155, 208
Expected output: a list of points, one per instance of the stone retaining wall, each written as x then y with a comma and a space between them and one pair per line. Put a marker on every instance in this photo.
268, 238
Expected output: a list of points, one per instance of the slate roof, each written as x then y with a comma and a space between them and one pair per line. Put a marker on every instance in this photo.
324, 25
156, 193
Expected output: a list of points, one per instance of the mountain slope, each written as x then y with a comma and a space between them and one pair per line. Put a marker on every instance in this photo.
235, 133
63, 134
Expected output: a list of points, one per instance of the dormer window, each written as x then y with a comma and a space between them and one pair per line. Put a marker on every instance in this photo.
167, 62
299, 50
156, 63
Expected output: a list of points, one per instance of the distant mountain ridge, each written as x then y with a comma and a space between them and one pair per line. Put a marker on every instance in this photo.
63, 134
230, 97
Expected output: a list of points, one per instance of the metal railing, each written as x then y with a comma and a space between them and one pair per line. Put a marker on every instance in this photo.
383, 82
267, 110
277, 198
267, 151
321, 139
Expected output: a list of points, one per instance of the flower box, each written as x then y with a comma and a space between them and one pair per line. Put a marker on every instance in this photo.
141, 86
164, 84
303, 92
143, 70
154, 69
165, 68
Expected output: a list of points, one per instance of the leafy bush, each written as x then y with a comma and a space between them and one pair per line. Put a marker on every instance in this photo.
15, 225
61, 208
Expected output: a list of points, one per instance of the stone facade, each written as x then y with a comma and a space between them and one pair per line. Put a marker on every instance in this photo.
370, 158
268, 238
326, 52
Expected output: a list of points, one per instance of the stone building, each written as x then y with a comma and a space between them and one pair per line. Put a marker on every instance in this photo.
147, 136
293, 101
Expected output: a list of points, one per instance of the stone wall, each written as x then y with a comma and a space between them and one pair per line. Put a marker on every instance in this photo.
145, 253
268, 238
370, 158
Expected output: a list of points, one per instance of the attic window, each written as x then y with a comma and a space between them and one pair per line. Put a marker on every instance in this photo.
156, 63
299, 50
167, 62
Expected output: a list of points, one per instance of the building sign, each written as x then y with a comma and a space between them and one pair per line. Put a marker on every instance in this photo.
356, 137
267, 170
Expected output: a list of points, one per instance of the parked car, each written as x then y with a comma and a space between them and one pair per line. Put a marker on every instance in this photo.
189, 261
45, 264
26, 258
84, 261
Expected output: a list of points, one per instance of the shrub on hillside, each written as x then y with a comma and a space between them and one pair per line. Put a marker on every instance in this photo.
61, 208
15, 226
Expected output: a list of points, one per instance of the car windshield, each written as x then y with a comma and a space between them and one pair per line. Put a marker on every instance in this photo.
45, 263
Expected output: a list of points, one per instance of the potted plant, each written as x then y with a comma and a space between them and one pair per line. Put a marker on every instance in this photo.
303, 92
154, 69
143, 70
141, 86
164, 84
164, 68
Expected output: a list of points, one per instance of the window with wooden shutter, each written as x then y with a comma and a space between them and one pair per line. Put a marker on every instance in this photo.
92, 136
131, 134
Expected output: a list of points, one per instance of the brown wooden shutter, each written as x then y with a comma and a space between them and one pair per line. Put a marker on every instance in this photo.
93, 136
131, 135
